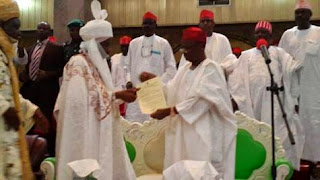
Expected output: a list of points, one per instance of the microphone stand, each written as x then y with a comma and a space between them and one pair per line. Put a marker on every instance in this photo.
274, 89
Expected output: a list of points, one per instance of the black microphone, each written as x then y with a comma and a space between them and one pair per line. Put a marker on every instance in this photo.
262, 45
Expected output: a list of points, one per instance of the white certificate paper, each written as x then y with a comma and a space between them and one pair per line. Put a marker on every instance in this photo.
151, 96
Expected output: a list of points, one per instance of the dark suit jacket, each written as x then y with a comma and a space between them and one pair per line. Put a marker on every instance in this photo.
44, 93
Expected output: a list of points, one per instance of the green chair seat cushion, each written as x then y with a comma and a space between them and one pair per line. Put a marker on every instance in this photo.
250, 155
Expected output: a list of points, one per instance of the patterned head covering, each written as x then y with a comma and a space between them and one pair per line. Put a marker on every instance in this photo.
264, 25
8, 9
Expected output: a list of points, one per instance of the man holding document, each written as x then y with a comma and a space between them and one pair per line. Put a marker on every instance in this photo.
201, 125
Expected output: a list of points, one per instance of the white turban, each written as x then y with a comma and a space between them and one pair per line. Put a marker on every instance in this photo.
92, 33
98, 29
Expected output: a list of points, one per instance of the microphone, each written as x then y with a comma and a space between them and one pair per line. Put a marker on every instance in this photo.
262, 45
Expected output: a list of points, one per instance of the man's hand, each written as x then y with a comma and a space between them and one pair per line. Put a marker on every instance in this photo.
128, 95
24, 77
11, 119
129, 85
145, 76
161, 113
42, 123
42, 75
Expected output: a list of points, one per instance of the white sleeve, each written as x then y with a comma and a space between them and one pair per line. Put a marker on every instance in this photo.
170, 64
127, 63
239, 87
211, 93
229, 63
283, 41
182, 61
21, 60
291, 69
118, 75
226, 48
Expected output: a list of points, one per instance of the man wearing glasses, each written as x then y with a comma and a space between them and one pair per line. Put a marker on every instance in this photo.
148, 53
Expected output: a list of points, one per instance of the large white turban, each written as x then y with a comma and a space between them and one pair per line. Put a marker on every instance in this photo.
93, 33
99, 28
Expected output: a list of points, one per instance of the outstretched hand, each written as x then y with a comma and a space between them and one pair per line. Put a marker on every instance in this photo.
128, 95
161, 113
145, 76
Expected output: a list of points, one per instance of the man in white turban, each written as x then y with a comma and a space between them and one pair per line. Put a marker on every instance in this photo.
86, 110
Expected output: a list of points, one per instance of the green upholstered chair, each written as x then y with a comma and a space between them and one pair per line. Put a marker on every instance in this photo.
145, 145
254, 153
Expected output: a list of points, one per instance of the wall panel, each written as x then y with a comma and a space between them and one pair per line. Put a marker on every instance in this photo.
36, 11
184, 12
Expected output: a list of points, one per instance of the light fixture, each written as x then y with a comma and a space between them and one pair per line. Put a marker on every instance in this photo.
24, 4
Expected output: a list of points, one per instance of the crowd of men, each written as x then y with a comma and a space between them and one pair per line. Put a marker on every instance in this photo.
71, 94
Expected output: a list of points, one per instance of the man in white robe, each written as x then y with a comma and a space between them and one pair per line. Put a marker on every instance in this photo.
303, 43
201, 125
218, 47
149, 53
87, 110
248, 84
117, 64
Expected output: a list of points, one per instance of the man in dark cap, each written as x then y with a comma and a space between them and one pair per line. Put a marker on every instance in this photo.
72, 48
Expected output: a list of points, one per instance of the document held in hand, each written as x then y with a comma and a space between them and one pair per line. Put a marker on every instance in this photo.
151, 96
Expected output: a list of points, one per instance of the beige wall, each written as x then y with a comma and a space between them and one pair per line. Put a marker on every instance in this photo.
39, 10
128, 13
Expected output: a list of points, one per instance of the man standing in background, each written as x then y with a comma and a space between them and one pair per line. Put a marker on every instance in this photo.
72, 48
117, 64
150, 53
218, 46
41, 76
248, 86
302, 42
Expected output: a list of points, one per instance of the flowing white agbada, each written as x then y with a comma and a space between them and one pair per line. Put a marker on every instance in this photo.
205, 129
117, 71
151, 54
304, 45
248, 85
89, 121
218, 48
